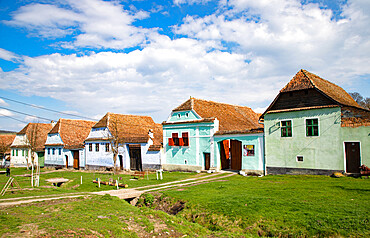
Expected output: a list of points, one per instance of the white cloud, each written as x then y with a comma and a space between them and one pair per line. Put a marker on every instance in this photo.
3, 103
190, 2
93, 23
9, 56
4, 112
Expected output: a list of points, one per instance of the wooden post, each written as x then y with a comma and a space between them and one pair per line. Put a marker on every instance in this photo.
99, 182
81, 179
117, 183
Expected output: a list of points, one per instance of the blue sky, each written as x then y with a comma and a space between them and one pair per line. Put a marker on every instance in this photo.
90, 57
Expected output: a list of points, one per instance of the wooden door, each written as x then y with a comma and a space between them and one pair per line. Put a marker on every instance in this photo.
207, 161
66, 161
135, 157
224, 160
236, 155
76, 159
353, 161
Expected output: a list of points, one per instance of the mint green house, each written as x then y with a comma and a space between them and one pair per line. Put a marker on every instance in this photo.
315, 127
206, 135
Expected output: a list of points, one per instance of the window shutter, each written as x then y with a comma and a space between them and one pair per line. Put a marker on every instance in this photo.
181, 142
170, 142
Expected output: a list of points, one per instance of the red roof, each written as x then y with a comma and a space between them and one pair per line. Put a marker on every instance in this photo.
5, 141
38, 131
131, 128
72, 132
231, 117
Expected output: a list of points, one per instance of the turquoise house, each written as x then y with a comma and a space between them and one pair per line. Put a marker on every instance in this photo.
315, 127
206, 135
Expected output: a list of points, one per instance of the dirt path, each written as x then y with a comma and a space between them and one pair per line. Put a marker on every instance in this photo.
121, 193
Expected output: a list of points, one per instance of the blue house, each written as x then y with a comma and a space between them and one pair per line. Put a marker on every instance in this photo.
206, 135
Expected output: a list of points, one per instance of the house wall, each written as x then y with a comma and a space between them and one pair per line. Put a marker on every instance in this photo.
19, 157
254, 163
188, 158
358, 134
56, 159
101, 158
322, 154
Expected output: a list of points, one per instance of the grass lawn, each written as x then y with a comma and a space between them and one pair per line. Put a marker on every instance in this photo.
280, 205
74, 185
93, 216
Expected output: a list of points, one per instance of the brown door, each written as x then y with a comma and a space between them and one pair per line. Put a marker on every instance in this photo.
76, 159
224, 160
236, 155
207, 161
135, 157
66, 161
353, 162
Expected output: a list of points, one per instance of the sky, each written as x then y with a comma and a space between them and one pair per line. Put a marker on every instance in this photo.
90, 57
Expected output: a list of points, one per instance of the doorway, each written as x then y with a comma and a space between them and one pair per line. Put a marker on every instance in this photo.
352, 155
224, 154
207, 161
67, 161
236, 154
135, 157
76, 159
120, 162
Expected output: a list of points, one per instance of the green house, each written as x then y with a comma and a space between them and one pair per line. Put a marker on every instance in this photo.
206, 135
315, 127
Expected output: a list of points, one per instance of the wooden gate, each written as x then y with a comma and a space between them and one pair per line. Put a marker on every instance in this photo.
76, 159
353, 161
120, 162
207, 161
135, 157
67, 161
236, 155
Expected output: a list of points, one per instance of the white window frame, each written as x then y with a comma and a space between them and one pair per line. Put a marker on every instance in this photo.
305, 126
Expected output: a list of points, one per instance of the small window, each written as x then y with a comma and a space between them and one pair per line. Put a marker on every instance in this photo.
312, 127
12, 152
178, 115
16, 152
22, 152
53, 151
286, 128
248, 150
175, 138
300, 158
97, 147
107, 147
90, 147
60, 151
26, 152
187, 115
48, 151
185, 138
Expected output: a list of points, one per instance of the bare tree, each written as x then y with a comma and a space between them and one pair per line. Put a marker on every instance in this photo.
32, 136
115, 140
363, 102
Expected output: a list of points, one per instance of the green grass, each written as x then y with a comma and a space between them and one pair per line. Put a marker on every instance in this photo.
94, 216
74, 184
280, 205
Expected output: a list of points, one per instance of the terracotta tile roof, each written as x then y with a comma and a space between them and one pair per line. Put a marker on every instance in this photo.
252, 131
304, 80
231, 117
41, 131
354, 117
73, 132
5, 141
132, 128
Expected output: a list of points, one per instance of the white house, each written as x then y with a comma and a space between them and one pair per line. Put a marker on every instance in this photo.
65, 143
139, 143
32, 135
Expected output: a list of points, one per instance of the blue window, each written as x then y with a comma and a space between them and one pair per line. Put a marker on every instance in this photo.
60, 151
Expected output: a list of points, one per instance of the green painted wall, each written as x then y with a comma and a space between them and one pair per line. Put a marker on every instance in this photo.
179, 154
255, 162
184, 115
321, 152
358, 134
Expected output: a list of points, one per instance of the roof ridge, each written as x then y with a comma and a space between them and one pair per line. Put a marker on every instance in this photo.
309, 79
224, 103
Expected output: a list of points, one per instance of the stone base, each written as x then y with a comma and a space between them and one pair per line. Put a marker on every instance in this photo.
299, 171
151, 167
181, 167
253, 172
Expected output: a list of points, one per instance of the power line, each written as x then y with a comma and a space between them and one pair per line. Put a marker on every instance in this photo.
13, 118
